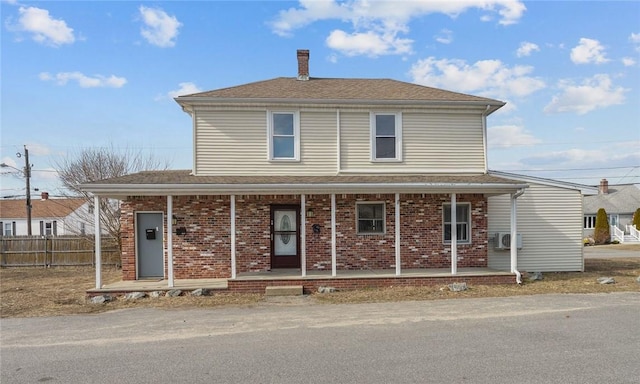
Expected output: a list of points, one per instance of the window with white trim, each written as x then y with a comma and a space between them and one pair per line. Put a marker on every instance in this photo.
8, 229
589, 221
386, 136
284, 136
370, 218
463, 222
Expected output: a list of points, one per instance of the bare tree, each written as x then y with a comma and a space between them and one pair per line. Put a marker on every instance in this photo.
95, 164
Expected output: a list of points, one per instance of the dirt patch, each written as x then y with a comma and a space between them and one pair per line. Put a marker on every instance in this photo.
33, 292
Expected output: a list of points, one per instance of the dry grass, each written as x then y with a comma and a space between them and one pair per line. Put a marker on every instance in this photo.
32, 292
35, 292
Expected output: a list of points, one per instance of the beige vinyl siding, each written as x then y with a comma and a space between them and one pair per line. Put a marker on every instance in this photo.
550, 221
235, 143
434, 142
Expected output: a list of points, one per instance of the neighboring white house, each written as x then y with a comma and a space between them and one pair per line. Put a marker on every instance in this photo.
50, 217
620, 201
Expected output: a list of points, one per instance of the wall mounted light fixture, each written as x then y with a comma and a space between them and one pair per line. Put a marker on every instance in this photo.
174, 220
310, 212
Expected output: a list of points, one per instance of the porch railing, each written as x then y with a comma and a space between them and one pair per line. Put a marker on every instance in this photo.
633, 231
617, 234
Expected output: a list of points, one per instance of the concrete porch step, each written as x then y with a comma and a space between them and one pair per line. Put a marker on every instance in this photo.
288, 290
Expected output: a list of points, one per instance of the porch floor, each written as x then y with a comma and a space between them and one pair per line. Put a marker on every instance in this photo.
288, 275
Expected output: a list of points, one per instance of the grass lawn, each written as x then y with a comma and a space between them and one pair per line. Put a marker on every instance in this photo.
32, 292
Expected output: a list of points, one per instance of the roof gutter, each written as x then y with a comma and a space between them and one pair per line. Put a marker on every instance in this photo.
186, 102
256, 189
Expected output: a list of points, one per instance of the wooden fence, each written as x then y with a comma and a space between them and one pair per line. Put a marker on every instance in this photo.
26, 251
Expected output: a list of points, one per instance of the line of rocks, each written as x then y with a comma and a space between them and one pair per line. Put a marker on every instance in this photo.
154, 294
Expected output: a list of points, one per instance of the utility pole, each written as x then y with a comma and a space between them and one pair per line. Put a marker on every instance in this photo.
27, 176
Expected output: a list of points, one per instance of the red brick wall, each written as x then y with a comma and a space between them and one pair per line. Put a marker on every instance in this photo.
204, 251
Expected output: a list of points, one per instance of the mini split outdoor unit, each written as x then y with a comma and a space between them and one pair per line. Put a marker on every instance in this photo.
502, 240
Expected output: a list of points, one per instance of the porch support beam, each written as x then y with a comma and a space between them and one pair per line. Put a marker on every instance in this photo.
454, 235
97, 243
303, 235
397, 211
170, 241
333, 235
232, 213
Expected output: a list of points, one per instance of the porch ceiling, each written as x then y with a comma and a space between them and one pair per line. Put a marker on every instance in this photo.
182, 182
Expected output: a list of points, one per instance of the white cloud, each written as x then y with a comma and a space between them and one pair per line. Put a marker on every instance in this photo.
588, 51
635, 38
595, 92
526, 48
185, 89
628, 61
445, 36
507, 136
43, 28
84, 81
378, 24
369, 43
491, 78
159, 28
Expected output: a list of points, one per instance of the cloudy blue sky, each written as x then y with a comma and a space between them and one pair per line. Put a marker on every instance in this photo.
78, 74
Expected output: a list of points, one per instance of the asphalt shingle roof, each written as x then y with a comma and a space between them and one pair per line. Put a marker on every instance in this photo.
338, 89
620, 199
58, 208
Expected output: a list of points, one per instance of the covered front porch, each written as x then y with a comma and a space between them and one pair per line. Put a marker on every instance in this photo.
227, 223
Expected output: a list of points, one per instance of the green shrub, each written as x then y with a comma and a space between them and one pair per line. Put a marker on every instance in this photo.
601, 232
636, 219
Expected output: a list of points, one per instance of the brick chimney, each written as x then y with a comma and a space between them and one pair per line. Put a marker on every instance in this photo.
44, 196
604, 187
303, 64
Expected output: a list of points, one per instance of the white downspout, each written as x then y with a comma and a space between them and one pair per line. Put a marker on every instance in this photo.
484, 138
338, 150
514, 235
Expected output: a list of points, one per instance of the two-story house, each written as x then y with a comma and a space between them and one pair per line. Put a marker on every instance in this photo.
343, 182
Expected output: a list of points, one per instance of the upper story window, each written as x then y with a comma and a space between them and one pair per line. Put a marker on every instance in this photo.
463, 222
386, 136
284, 136
370, 218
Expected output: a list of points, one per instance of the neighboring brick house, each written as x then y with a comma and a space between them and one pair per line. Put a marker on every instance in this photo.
49, 217
384, 175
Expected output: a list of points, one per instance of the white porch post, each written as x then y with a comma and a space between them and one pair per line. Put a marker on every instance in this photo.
398, 261
170, 241
514, 233
333, 235
454, 236
303, 235
97, 237
233, 236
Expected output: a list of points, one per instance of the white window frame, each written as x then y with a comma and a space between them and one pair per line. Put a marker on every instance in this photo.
468, 223
398, 136
296, 135
8, 224
384, 217
589, 221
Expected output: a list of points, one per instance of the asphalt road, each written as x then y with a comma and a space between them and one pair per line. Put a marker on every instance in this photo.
609, 252
535, 339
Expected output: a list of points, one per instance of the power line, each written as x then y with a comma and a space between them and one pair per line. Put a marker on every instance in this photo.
570, 169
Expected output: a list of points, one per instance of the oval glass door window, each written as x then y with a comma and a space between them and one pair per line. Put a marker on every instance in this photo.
285, 228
